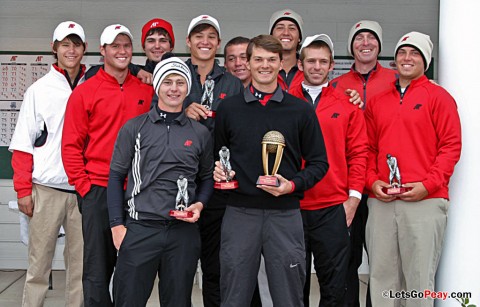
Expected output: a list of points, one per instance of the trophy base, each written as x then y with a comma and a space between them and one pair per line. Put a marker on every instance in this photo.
181, 214
396, 190
226, 185
211, 114
268, 180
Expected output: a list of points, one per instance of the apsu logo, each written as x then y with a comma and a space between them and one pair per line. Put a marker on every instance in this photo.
13, 58
188, 143
405, 38
71, 26
287, 13
39, 58
358, 25
118, 27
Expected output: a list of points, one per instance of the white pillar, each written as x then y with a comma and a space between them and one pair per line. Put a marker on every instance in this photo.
459, 73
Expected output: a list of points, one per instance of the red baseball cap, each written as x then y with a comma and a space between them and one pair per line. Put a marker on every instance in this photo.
158, 23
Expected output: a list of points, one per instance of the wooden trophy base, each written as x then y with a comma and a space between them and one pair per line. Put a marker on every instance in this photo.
226, 185
181, 214
396, 190
268, 180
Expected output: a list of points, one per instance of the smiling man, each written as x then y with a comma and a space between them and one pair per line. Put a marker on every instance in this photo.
268, 217
153, 150
95, 112
329, 207
369, 78
211, 84
416, 122
235, 53
287, 26
39, 177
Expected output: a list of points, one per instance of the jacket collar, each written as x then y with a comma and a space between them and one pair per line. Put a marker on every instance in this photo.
155, 117
214, 73
249, 97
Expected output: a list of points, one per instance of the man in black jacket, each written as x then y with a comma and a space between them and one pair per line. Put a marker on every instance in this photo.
261, 219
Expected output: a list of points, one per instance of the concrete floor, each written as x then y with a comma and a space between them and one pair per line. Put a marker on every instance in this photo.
11, 289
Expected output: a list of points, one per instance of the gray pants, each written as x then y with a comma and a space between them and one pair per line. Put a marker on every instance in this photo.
278, 235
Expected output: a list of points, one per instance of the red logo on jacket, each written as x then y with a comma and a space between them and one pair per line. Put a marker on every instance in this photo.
222, 95
187, 143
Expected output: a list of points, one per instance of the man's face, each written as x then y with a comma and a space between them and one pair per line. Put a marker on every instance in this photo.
264, 66
156, 45
203, 45
288, 34
316, 65
409, 63
118, 54
236, 61
172, 93
69, 54
365, 48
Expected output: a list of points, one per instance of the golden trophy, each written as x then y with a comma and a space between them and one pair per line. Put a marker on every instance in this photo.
273, 142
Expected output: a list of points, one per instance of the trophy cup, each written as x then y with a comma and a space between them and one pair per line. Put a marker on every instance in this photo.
394, 177
181, 201
229, 184
273, 142
207, 97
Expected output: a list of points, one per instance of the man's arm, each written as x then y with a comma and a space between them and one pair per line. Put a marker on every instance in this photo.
314, 153
356, 155
119, 166
22, 165
74, 142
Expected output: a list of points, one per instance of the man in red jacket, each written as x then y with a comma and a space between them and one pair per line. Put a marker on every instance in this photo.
329, 207
416, 122
95, 112
369, 78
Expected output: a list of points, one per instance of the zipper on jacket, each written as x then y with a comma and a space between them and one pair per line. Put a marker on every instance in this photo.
168, 134
364, 94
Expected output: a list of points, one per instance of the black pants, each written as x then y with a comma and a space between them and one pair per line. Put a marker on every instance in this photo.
170, 249
210, 223
357, 241
326, 236
99, 253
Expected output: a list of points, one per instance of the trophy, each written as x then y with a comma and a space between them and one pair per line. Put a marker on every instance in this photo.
394, 177
181, 201
225, 163
207, 97
273, 142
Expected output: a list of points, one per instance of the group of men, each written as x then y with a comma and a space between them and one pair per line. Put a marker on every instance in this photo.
102, 145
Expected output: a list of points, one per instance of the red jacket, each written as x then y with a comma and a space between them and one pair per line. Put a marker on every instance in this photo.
95, 112
296, 81
421, 129
344, 132
378, 81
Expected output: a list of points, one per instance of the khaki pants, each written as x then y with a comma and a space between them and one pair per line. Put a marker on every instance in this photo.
404, 242
53, 208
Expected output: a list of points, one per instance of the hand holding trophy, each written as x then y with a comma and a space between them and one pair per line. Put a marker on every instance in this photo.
273, 142
228, 184
394, 178
181, 201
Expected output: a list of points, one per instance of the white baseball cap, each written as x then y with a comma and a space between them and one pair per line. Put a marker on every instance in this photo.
203, 19
66, 28
319, 37
110, 33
